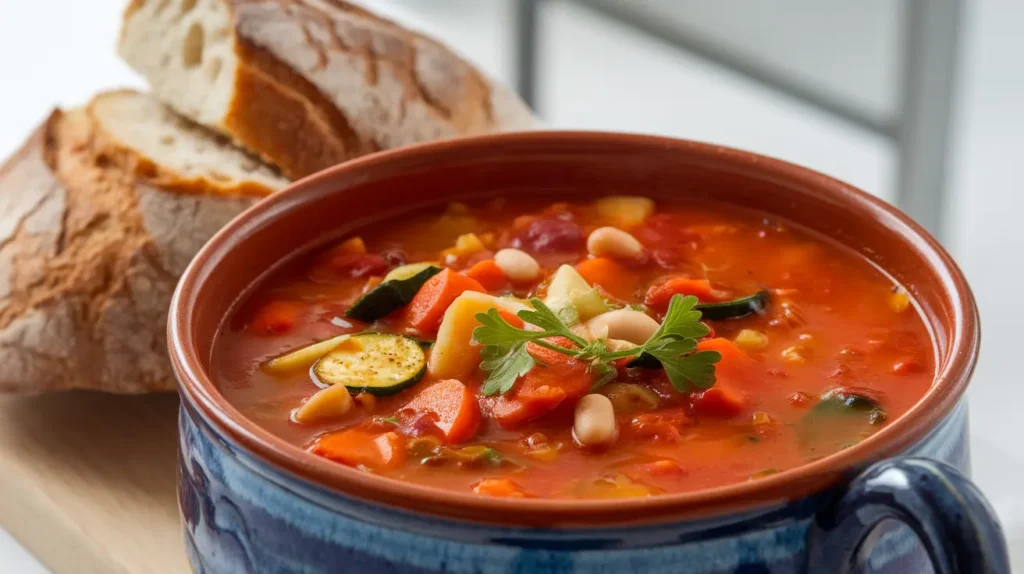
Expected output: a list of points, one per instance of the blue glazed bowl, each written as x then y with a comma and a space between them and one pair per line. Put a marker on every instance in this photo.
899, 500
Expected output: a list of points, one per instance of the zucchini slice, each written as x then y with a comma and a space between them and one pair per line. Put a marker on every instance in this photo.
381, 364
395, 292
734, 309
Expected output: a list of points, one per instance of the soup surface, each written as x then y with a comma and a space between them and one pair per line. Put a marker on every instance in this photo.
531, 348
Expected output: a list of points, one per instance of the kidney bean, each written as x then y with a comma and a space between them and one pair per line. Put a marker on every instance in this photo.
549, 236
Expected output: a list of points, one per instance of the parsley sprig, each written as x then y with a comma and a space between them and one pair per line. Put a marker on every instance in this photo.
505, 357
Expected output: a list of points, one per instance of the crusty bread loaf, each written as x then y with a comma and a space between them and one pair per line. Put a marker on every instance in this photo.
306, 84
100, 212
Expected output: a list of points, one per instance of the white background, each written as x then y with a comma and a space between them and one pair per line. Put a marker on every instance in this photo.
59, 52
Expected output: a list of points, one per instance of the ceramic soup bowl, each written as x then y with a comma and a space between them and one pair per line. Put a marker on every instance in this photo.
251, 502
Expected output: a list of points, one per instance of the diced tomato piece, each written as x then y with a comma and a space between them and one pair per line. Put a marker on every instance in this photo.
488, 274
276, 317
498, 487
613, 277
544, 388
432, 300
718, 401
357, 447
526, 404
662, 426
451, 406
658, 296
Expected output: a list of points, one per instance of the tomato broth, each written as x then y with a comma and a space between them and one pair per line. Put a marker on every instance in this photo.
816, 348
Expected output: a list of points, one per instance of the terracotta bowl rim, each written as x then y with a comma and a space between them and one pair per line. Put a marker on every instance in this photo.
951, 380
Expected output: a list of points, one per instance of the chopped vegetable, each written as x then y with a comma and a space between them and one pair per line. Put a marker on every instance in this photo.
333, 402
392, 294
475, 456
543, 389
276, 317
736, 308
409, 271
465, 245
842, 414
381, 364
505, 358
721, 402
664, 425
845, 400
499, 487
304, 357
625, 210
659, 295
453, 356
569, 289
429, 305
357, 447
630, 398
451, 406
615, 278
488, 274
751, 340
735, 366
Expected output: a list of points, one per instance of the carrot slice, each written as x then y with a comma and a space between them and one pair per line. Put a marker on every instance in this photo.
427, 308
453, 407
276, 317
357, 447
488, 274
658, 296
615, 278
736, 367
544, 388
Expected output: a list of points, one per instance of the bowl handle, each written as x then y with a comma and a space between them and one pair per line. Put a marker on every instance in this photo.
955, 523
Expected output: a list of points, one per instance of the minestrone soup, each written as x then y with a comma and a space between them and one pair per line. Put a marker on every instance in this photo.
586, 349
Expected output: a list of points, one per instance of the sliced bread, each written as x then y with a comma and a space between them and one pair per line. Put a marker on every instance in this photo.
100, 211
306, 84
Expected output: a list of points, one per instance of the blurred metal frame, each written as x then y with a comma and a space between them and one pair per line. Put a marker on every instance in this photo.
920, 130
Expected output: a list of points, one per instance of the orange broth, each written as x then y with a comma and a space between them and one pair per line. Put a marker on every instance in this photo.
833, 321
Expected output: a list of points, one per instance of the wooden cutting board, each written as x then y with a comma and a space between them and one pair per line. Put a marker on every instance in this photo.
87, 481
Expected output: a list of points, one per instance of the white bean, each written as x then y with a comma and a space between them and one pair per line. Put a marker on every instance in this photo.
594, 424
626, 324
614, 243
517, 265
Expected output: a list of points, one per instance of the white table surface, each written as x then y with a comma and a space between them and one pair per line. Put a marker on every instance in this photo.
64, 60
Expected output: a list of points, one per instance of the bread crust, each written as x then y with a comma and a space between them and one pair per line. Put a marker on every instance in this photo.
90, 252
318, 82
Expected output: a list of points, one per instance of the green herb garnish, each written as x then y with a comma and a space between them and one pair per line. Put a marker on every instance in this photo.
673, 345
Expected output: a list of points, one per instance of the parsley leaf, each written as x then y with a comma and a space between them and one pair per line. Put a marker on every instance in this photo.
504, 365
542, 316
505, 357
697, 368
681, 320
495, 331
